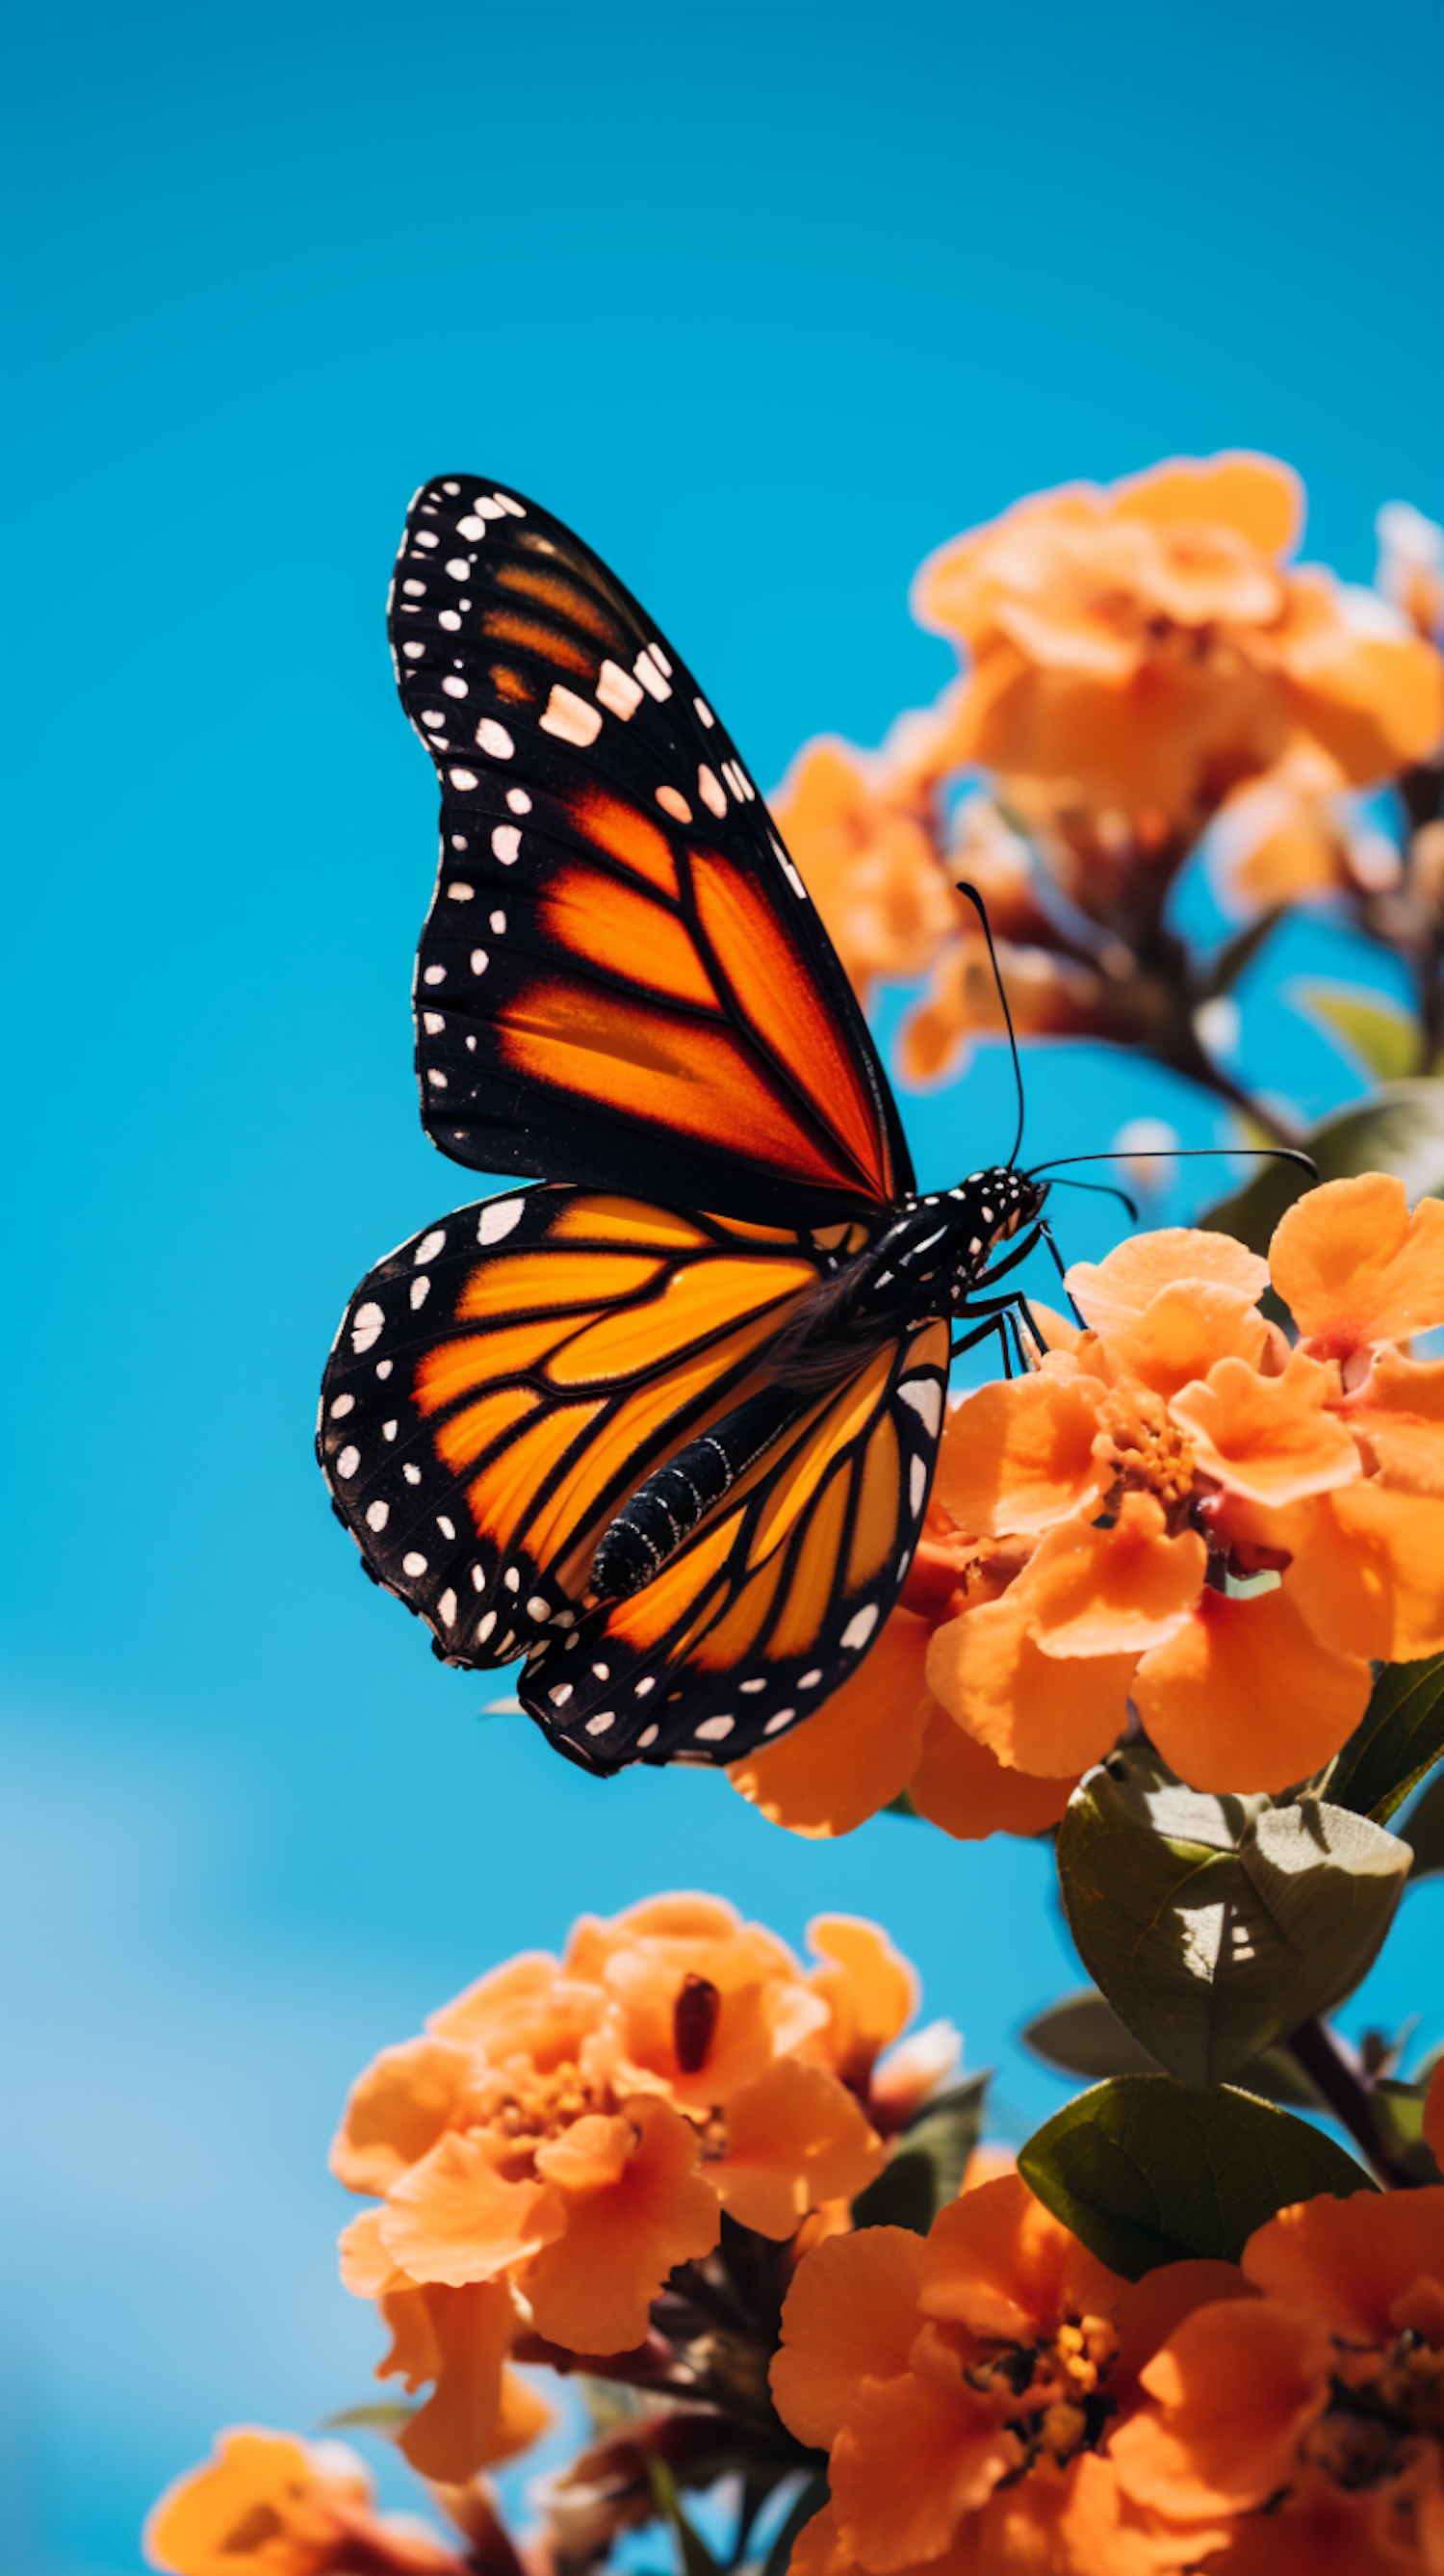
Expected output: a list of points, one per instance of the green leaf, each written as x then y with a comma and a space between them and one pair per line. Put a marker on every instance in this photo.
1398, 2110
812, 2499
1383, 1038
1423, 1830
1146, 2170
902, 1805
1399, 1737
1083, 2035
1239, 952
1399, 1128
925, 2169
696, 2557
1215, 1926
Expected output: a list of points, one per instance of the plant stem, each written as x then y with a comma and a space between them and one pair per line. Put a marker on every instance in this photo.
1347, 2091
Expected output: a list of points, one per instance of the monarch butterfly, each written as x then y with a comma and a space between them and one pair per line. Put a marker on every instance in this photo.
665, 1424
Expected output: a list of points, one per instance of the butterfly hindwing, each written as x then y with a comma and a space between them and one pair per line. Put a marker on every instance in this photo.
777, 1597
621, 982
503, 1382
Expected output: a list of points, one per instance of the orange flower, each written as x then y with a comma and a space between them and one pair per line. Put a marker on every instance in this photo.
885, 1734
1305, 2427
570, 2131
1146, 647
1202, 1523
860, 837
965, 2388
273, 2505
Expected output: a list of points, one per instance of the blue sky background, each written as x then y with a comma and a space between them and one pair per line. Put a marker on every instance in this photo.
767, 300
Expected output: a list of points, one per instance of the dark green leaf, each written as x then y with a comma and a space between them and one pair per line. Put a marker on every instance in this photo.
1423, 1830
1083, 2035
902, 1805
1215, 1926
1146, 2170
1399, 1737
925, 2170
1399, 1128
1238, 953
812, 2499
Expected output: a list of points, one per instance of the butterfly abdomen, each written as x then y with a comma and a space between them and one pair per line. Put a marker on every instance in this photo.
671, 1504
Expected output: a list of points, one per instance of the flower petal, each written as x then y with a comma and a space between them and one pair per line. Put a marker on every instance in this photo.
1354, 1268
1113, 1292
1036, 1712
1269, 1437
460, 2339
850, 2315
1235, 2386
1019, 1455
1245, 1697
1093, 1591
910, 2461
454, 2218
591, 2289
1349, 2262
398, 2109
870, 1989
1182, 1332
1399, 1416
1001, 2264
795, 2139
963, 1787
858, 1753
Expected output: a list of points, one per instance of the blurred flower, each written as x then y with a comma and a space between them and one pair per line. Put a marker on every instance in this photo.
860, 838
965, 2387
1196, 1520
1411, 565
269, 2504
1146, 645
1293, 833
1303, 2429
1145, 1148
569, 2132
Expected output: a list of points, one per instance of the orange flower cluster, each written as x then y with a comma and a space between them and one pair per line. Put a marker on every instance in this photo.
567, 2132
277, 2506
1137, 657
1174, 1511
1214, 1528
1301, 2431
995, 2400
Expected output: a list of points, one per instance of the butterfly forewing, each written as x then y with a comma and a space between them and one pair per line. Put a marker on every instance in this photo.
777, 1597
621, 979
503, 1382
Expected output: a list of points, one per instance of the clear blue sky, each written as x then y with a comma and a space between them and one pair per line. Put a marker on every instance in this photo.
768, 300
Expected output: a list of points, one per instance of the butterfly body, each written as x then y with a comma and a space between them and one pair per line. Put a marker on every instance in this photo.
666, 1423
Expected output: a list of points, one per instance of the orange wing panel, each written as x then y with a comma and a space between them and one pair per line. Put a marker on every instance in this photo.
650, 1613
814, 1574
544, 641
704, 1298
786, 1008
626, 932
625, 834
875, 1529
500, 1495
631, 1221
454, 1367
540, 1279
839, 1424
628, 1056
461, 1440
735, 1635
563, 599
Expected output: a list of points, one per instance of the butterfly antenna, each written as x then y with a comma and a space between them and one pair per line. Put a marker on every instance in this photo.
981, 909
1106, 1190
1182, 1154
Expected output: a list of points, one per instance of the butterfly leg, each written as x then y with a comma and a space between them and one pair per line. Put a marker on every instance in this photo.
969, 1341
1046, 1232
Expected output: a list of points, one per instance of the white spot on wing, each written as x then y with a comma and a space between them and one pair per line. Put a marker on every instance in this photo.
648, 1736
429, 1246
420, 1291
917, 1482
617, 691
497, 1218
860, 1626
570, 718
505, 843
348, 1462
493, 738
414, 1564
377, 1515
674, 804
366, 1326
711, 791
926, 1398
713, 1729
